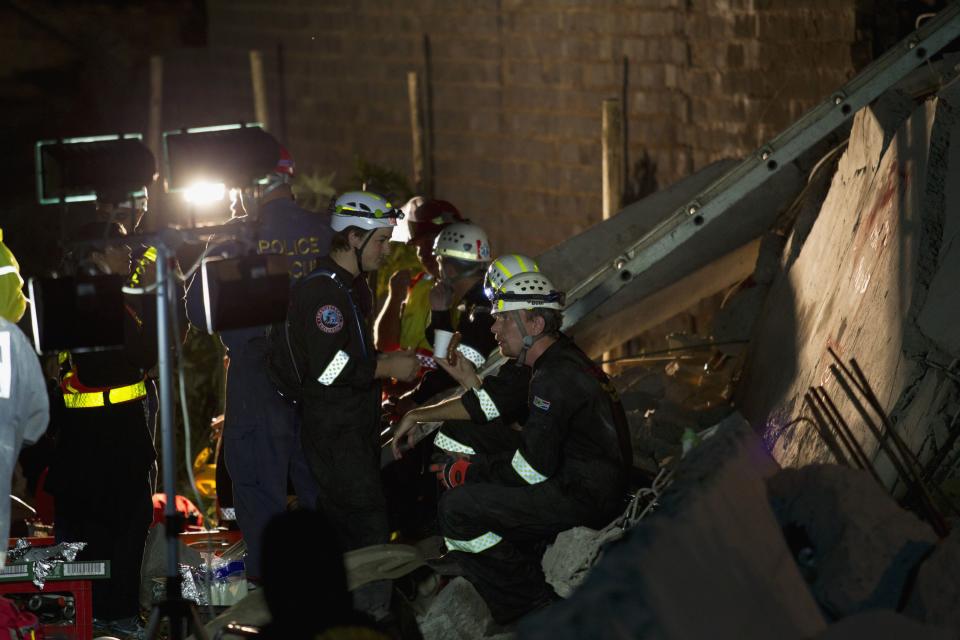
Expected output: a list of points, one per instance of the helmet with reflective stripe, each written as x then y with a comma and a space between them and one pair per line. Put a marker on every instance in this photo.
463, 241
504, 268
527, 291
363, 209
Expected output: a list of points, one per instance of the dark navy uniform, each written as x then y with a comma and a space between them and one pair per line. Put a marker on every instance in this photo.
565, 468
261, 440
472, 319
341, 402
99, 474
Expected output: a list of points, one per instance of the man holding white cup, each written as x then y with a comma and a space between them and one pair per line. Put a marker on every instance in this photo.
458, 306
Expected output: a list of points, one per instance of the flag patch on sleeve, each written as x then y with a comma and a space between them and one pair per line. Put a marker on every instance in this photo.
540, 403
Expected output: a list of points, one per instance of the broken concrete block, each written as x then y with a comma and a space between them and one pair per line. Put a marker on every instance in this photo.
458, 613
862, 545
882, 625
571, 556
710, 562
935, 593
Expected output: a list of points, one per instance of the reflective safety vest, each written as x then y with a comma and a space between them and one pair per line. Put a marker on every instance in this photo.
77, 396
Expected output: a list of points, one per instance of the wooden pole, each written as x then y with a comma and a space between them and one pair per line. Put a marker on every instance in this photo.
417, 128
426, 111
154, 139
612, 150
257, 77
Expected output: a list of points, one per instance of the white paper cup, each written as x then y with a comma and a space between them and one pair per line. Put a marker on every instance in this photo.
441, 340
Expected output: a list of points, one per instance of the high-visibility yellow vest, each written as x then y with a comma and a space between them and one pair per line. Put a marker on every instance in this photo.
74, 398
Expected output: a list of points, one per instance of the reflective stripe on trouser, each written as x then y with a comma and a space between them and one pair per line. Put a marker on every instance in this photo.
90, 399
507, 573
477, 545
449, 444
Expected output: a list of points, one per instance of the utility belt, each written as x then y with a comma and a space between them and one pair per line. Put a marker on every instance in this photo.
76, 396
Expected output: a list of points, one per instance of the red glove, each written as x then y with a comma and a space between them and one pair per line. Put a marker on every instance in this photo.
453, 473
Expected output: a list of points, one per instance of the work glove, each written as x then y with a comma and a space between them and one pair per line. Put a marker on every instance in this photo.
452, 473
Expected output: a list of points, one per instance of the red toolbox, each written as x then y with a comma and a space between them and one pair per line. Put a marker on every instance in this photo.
64, 607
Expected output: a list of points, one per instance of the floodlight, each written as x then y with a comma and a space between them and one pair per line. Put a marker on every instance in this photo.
202, 193
244, 292
110, 168
237, 155
79, 314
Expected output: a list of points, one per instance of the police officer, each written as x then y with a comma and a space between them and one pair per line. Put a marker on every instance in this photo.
458, 303
261, 430
513, 489
341, 389
103, 452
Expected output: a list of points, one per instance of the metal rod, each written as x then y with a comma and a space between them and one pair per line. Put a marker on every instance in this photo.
821, 426
914, 483
874, 402
837, 419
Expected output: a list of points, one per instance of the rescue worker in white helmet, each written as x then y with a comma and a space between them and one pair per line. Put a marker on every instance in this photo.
458, 304
341, 381
504, 268
513, 489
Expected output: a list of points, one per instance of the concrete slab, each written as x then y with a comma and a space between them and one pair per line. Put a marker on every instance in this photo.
710, 563
858, 283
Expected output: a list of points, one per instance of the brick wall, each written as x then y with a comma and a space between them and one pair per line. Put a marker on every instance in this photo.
517, 87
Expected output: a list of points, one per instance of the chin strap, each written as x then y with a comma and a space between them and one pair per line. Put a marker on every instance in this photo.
359, 251
528, 340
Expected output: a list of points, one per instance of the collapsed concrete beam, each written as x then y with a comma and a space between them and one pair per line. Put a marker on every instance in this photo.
700, 266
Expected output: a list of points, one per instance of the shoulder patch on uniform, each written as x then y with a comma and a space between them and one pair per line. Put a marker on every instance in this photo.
329, 319
540, 403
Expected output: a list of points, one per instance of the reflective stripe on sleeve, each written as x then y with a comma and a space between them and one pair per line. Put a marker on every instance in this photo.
525, 471
472, 355
477, 545
5, 270
334, 368
487, 405
449, 444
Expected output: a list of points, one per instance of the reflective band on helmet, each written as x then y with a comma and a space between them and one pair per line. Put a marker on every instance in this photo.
334, 368
503, 269
477, 545
91, 399
469, 256
472, 355
449, 444
487, 405
525, 471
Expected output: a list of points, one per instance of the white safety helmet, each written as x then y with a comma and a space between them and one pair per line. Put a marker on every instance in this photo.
363, 209
504, 268
527, 291
463, 241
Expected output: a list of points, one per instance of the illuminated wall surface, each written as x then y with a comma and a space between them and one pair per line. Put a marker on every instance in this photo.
516, 86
